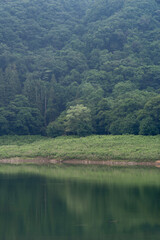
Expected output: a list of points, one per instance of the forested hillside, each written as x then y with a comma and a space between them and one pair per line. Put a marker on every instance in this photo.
80, 67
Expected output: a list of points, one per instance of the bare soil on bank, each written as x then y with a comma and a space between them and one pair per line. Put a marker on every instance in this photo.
40, 160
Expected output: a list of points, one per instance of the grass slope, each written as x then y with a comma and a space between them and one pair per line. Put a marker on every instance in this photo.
125, 147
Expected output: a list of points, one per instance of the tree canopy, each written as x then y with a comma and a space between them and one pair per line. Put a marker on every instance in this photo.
58, 55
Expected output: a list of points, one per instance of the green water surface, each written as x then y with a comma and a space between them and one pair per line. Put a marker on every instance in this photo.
50, 207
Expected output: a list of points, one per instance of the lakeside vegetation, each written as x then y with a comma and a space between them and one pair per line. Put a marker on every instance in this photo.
95, 147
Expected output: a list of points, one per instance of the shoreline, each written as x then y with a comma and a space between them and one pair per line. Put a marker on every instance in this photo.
96, 148
40, 160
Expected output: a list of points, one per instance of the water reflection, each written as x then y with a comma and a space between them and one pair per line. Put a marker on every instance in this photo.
33, 207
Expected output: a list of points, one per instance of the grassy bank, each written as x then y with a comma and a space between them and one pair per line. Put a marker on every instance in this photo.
125, 147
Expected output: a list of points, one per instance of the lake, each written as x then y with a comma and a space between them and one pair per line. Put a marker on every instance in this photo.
79, 203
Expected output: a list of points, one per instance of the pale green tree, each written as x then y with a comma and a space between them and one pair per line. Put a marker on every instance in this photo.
78, 120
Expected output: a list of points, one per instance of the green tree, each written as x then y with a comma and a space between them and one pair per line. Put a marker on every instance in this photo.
4, 124
2, 88
57, 127
22, 119
149, 117
100, 116
78, 120
148, 127
12, 83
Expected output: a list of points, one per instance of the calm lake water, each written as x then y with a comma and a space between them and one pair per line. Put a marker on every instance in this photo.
38, 207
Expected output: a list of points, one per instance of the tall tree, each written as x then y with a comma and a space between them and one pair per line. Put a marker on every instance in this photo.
12, 83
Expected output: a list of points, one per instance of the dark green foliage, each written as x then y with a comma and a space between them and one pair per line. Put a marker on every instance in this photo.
150, 117
127, 125
104, 54
57, 128
148, 127
3, 125
19, 118
101, 118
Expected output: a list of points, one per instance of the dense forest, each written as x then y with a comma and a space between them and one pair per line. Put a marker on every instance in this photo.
80, 67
